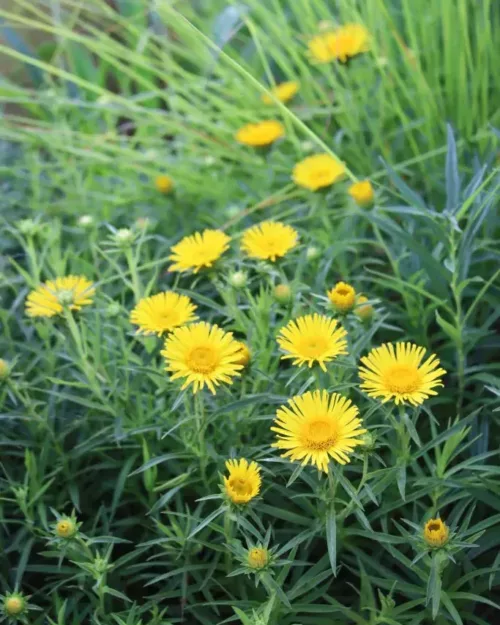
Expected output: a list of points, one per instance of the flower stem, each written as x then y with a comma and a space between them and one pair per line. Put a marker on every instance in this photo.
86, 367
132, 266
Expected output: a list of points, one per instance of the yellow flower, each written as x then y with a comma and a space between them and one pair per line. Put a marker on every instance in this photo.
396, 373
14, 605
362, 192
363, 311
66, 528
312, 338
317, 426
342, 296
436, 533
340, 44
243, 483
49, 298
162, 313
260, 133
164, 183
317, 171
245, 354
198, 250
283, 92
269, 240
203, 354
257, 557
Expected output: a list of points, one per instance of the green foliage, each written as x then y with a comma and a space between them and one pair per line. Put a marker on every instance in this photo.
95, 434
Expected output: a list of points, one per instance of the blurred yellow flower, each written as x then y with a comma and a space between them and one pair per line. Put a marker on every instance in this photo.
243, 483
363, 311
317, 171
202, 354
245, 354
317, 426
269, 240
342, 296
436, 533
283, 92
362, 192
66, 528
162, 313
260, 133
340, 44
395, 372
312, 339
257, 557
164, 183
198, 250
50, 298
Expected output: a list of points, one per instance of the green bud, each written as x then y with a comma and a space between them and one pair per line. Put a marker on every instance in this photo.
282, 293
238, 279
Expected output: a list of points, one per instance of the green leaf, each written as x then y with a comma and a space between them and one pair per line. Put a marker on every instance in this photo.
331, 537
450, 330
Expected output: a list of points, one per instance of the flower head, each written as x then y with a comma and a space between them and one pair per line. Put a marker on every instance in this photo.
66, 527
269, 240
85, 221
363, 310
14, 604
283, 92
162, 313
362, 192
396, 372
198, 250
202, 354
261, 133
164, 183
340, 44
282, 293
238, 279
257, 557
317, 171
312, 338
317, 426
436, 533
50, 298
342, 296
243, 483
245, 354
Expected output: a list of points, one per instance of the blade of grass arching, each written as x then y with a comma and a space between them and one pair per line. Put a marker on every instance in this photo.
15, 40
262, 89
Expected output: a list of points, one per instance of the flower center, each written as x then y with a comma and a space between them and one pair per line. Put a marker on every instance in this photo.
319, 435
257, 558
240, 486
313, 347
403, 379
342, 291
202, 360
434, 527
169, 318
65, 297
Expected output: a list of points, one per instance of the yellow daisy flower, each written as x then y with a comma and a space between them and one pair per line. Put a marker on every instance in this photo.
260, 133
269, 240
164, 183
257, 557
340, 44
162, 313
395, 372
203, 354
362, 192
436, 533
342, 296
243, 483
283, 92
312, 338
318, 171
317, 426
198, 250
49, 298
245, 354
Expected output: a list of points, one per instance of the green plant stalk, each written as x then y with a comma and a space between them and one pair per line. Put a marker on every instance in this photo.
85, 365
134, 274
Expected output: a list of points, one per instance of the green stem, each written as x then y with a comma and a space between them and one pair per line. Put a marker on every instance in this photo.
199, 410
228, 535
86, 367
132, 266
